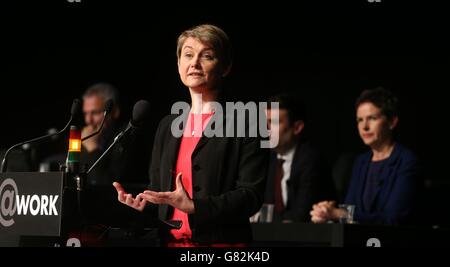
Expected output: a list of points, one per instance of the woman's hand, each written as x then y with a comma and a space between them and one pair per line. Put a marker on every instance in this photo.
323, 211
137, 203
178, 199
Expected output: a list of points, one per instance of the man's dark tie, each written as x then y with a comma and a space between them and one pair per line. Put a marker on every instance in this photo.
279, 206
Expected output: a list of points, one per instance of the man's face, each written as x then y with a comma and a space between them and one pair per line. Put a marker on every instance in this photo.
287, 132
93, 108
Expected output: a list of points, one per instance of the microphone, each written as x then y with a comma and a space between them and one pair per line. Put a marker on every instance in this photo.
108, 107
141, 112
74, 111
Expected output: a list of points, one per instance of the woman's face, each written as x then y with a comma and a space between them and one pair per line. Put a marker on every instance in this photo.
373, 126
198, 66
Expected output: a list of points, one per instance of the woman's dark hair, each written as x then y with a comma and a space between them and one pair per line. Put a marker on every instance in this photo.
382, 98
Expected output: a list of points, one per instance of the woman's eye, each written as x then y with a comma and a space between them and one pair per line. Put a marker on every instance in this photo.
208, 57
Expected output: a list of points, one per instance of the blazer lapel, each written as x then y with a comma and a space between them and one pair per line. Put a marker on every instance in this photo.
387, 179
172, 148
295, 172
168, 175
269, 192
363, 173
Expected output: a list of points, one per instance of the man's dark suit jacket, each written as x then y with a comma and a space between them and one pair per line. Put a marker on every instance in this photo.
397, 192
228, 180
309, 182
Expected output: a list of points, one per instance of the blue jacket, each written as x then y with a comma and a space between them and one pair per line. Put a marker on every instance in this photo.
397, 190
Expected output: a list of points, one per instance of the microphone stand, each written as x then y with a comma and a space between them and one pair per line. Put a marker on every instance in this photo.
5, 162
74, 220
75, 109
116, 139
99, 129
108, 107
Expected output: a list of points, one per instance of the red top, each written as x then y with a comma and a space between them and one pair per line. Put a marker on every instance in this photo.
196, 123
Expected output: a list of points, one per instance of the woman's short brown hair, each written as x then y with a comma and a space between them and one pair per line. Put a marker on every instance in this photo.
211, 35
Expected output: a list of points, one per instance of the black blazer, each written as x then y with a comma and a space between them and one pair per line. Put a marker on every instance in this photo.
309, 182
228, 180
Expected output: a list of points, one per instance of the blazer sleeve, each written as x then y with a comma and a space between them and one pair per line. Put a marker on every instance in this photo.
154, 169
239, 204
309, 188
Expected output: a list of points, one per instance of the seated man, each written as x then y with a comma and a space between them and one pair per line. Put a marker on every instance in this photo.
94, 100
128, 159
298, 175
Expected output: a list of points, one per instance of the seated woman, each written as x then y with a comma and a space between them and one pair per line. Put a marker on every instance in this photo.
385, 180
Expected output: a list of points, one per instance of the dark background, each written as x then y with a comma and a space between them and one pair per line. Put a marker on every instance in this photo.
327, 53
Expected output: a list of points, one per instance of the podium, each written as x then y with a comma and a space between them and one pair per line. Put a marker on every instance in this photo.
347, 235
30, 205
45, 209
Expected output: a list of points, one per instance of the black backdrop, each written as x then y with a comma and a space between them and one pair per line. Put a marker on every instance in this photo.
327, 53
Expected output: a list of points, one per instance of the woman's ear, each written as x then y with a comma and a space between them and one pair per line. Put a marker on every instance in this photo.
393, 123
227, 70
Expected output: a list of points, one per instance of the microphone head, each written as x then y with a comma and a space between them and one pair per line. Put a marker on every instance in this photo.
109, 106
76, 107
141, 112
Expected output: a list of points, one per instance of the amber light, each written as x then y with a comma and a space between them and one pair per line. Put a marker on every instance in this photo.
74, 140
74, 145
